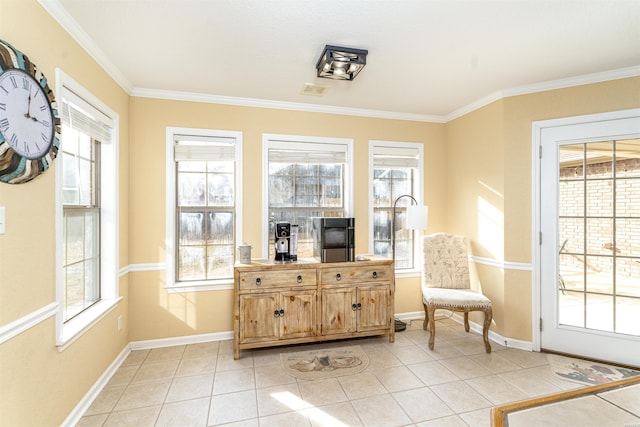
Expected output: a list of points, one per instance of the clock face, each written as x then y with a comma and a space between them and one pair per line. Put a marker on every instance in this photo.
26, 120
29, 120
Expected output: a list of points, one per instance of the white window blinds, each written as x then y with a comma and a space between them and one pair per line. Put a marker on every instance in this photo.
395, 157
307, 152
196, 147
86, 119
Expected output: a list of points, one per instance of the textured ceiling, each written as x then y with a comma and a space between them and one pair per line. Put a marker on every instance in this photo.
426, 58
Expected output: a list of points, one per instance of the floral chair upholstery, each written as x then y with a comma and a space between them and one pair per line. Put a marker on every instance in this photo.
446, 284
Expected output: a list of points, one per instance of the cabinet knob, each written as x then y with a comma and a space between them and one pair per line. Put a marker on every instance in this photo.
338, 277
276, 313
258, 282
374, 274
359, 306
299, 279
354, 307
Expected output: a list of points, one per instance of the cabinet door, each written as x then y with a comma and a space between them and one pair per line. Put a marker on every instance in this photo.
258, 320
338, 310
299, 317
373, 312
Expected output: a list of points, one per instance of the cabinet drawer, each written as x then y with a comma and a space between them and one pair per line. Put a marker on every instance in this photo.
361, 274
277, 279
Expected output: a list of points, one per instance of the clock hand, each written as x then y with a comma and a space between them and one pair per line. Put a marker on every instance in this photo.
27, 115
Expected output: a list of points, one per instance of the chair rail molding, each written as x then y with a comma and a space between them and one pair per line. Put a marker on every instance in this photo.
26, 322
505, 265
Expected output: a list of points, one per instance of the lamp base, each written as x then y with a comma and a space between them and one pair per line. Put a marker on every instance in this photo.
400, 325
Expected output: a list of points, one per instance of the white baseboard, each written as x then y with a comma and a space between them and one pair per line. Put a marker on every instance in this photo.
74, 417
190, 339
497, 338
413, 315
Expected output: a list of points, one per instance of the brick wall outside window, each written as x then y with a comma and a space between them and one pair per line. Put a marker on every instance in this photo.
599, 213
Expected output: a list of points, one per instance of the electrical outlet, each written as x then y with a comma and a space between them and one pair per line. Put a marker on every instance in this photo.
119, 323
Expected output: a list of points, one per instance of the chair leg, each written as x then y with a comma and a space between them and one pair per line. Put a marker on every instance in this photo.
425, 325
466, 321
488, 315
431, 312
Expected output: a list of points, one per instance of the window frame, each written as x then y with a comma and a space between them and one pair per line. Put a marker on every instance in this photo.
270, 141
171, 284
69, 331
417, 193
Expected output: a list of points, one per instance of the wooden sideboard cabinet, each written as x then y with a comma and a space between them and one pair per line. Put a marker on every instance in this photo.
308, 301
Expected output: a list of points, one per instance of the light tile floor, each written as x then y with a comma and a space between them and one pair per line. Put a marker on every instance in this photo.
619, 407
405, 384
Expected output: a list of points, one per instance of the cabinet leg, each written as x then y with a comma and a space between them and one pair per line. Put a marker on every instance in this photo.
236, 352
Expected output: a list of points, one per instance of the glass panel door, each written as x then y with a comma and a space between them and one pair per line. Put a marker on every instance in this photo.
599, 235
589, 259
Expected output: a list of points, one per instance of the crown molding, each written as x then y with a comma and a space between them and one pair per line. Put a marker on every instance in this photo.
621, 73
70, 25
282, 105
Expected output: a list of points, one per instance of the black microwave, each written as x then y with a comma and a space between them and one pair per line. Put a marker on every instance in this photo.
334, 239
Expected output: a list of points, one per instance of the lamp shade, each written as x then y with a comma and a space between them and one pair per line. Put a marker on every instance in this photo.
417, 217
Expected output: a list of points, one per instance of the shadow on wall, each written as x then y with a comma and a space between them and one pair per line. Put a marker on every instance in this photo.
157, 313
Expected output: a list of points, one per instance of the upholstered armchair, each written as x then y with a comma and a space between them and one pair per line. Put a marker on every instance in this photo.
446, 284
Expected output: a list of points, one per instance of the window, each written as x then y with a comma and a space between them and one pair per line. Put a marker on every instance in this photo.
305, 177
395, 170
81, 217
86, 210
202, 207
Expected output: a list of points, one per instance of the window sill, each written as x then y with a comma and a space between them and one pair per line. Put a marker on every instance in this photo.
76, 327
407, 273
199, 286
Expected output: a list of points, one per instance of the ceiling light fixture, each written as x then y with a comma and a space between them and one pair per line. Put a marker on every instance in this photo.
341, 63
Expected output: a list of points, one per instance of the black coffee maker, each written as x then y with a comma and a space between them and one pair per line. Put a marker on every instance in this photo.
283, 241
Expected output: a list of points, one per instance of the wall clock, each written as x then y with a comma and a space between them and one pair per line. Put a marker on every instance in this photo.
29, 120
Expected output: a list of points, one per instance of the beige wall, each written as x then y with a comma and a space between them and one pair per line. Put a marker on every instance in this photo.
489, 171
39, 386
475, 194
156, 314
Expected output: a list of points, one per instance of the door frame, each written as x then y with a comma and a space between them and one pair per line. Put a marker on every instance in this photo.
537, 129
